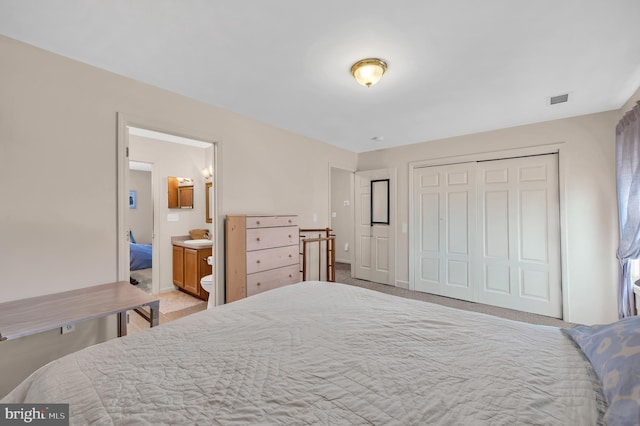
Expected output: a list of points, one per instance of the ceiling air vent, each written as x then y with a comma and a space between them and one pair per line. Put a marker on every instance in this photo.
558, 99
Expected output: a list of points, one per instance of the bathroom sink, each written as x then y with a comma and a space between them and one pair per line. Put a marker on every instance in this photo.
198, 243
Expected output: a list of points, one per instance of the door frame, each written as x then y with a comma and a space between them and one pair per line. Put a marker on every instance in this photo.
122, 190
352, 174
552, 148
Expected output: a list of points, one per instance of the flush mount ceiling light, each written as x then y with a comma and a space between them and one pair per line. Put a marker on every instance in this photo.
368, 71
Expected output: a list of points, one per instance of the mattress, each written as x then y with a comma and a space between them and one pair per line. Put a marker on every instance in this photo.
140, 256
326, 353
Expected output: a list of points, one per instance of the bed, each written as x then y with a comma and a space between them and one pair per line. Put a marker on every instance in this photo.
140, 257
327, 353
140, 254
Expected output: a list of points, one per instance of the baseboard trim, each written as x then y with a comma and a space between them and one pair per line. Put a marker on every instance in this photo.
402, 284
168, 289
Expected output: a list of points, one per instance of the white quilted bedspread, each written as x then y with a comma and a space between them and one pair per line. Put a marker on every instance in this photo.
324, 353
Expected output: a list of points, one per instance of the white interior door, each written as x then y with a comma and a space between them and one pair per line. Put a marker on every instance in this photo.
445, 203
513, 260
518, 218
374, 256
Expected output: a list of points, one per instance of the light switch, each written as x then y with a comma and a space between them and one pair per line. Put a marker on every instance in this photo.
315, 217
173, 217
347, 203
404, 228
334, 214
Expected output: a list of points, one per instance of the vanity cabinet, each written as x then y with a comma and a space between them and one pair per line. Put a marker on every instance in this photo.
262, 253
189, 266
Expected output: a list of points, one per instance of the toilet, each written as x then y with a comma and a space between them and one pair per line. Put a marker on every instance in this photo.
207, 284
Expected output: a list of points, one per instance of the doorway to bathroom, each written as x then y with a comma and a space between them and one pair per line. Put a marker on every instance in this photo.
168, 155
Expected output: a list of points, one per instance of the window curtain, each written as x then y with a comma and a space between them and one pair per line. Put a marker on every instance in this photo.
628, 186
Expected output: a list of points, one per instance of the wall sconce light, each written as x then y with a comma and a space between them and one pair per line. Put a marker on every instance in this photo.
368, 71
206, 172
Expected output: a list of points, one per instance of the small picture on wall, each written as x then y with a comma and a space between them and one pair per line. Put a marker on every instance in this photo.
132, 200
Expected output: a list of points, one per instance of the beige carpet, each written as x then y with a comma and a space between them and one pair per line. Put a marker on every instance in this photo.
144, 279
343, 275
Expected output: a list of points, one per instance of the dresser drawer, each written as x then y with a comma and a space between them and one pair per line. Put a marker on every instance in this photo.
268, 280
271, 221
263, 260
264, 238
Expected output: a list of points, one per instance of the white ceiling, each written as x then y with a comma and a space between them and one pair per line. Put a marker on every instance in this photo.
455, 66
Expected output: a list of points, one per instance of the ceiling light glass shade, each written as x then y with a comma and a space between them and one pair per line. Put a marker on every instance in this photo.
368, 71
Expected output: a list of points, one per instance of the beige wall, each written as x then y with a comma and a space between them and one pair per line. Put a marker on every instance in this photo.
588, 200
58, 123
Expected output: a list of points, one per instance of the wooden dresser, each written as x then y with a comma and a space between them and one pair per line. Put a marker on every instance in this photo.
261, 253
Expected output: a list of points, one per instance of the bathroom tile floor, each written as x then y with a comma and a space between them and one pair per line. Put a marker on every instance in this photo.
173, 305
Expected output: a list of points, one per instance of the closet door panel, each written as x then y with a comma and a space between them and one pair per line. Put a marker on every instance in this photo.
494, 235
429, 222
519, 220
496, 225
533, 226
459, 224
446, 227
428, 194
457, 219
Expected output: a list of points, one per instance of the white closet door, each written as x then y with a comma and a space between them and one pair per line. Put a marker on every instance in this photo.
489, 232
519, 230
444, 202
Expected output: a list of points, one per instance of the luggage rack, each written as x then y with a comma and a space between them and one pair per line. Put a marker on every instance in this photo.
325, 240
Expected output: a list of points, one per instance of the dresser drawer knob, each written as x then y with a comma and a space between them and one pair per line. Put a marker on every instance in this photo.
290, 275
290, 255
258, 239
258, 284
257, 222
257, 261
289, 235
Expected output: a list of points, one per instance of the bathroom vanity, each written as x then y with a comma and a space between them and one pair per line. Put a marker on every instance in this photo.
189, 266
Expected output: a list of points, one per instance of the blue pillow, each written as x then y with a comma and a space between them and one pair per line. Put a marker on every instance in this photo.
614, 352
131, 239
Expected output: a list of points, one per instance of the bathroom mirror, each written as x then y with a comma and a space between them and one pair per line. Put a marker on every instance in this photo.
380, 201
208, 190
180, 192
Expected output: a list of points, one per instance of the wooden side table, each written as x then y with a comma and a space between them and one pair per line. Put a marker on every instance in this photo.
24, 317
